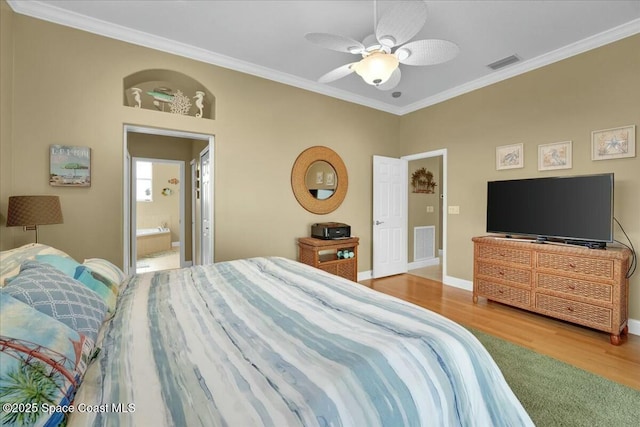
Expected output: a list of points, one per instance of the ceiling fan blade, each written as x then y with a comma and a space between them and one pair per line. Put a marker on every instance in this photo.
392, 82
337, 73
335, 42
401, 22
427, 52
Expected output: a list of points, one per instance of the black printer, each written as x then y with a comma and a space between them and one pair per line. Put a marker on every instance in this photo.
330, 230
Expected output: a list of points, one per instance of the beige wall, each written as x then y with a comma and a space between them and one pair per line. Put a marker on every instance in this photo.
68, 90
6, 117
564, 101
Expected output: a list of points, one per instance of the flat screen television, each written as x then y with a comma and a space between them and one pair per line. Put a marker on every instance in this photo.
574, 209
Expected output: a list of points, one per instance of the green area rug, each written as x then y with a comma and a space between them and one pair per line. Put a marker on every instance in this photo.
557, 394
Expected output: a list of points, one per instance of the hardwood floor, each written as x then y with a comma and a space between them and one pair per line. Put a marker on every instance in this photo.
582, 347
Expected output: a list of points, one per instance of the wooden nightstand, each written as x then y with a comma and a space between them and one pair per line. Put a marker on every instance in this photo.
323, 254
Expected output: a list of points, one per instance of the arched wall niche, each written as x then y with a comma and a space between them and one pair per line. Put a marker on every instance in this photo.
170, 92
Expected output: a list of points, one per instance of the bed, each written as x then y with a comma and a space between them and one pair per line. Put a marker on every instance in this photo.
272, 342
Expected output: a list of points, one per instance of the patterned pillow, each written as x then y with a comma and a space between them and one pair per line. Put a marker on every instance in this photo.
55, 294
11, 260
42, 362
106, 269
104, 287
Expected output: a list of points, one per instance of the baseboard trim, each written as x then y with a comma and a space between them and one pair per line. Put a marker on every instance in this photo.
364, 275
424, 263
634, 326
467, 285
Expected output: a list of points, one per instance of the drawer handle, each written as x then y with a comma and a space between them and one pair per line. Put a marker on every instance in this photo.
572, 265
571, 287
570, 309
500, 291
501, 273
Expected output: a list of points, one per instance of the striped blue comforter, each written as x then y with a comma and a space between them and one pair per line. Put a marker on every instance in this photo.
271, 342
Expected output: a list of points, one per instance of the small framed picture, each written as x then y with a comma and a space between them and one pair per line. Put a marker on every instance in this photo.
615, 143
330, 179
70, 166
556, 155
510, 156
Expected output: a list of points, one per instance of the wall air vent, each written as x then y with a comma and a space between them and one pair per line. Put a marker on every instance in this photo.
504, 62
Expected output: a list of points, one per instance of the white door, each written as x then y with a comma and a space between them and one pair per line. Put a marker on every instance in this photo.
389, 216
206, 245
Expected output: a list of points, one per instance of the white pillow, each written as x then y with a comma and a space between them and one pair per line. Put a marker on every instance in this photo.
105, 268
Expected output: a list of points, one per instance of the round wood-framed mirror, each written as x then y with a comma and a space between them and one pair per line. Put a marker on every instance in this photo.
319, 180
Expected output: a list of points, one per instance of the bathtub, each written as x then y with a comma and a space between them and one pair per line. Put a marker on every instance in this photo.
151, 240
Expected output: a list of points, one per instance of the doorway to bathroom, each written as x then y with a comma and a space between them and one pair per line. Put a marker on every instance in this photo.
149, 154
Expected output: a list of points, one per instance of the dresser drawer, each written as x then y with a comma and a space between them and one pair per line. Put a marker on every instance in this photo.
585, 314
574, 287
497, 271
498, 253
592, 267
509, 294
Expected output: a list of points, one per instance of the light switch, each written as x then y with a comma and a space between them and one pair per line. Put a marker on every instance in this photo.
454, 210
429, 209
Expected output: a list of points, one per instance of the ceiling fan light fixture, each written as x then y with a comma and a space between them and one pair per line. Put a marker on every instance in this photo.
376, 68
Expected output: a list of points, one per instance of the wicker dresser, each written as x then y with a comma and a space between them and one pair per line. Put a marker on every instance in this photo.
572, 283
322, 254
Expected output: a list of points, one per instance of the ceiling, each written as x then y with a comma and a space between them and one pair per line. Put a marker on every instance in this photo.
266, 38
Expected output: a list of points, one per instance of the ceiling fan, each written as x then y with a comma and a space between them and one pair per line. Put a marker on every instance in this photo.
379, 65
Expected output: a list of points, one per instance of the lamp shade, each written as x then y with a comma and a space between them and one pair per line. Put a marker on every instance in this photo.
33, 210
376, 68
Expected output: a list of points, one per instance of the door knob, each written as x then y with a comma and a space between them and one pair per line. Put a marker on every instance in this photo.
379, 222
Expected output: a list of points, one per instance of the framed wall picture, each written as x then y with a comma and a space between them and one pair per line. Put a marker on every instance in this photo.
70, 166
615, 143
556, 155
510, 156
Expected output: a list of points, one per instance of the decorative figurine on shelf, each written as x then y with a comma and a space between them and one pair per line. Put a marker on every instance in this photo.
199, 102
180, 104
136, 96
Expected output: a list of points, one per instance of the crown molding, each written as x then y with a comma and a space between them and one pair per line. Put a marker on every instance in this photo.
609, 36
48, 12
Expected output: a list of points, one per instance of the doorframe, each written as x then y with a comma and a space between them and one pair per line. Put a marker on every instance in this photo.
201, 239
425, 155
127, 182
192, 171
